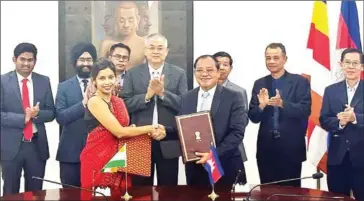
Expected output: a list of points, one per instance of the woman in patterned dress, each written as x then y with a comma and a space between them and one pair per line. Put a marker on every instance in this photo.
107, 120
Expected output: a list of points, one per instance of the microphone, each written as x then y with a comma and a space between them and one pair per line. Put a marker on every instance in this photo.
314, 176
308, 196
236, 181
85, 189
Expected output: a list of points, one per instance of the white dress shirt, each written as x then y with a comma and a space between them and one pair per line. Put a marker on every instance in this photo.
30, 90
350, 91
207, 102
155, 73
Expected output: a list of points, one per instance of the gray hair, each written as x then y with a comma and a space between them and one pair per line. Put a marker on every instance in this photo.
156, 36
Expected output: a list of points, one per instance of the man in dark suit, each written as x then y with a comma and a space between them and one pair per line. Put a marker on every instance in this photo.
152, 95
26, 104
342, 115
226, 65
70, 110
120, 55
229, 119
281, 103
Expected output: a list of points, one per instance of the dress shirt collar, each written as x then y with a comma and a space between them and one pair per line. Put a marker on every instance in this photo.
20, 77
211, 92
352, 88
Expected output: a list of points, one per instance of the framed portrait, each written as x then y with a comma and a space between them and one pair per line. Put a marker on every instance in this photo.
105, 23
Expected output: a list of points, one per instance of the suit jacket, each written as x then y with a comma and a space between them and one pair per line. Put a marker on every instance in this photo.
70, 115
241, 90
12, 114
229, 119
136, 83
293, 118
352, 135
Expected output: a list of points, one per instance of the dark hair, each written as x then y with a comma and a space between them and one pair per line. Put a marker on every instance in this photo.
204, 57
277, 45
25, 47
224, 54
352, 50
119, 45
101, 64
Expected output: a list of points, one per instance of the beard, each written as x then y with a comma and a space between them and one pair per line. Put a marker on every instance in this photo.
81, 72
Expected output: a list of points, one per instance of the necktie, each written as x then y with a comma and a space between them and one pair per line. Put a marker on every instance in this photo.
122, 80
203, 106
155, 111
84, 84
28, 129
275, 109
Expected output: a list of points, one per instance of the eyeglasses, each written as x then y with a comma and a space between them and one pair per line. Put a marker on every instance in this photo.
120, 57
354, 64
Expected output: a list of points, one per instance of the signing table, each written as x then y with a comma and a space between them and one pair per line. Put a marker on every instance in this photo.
182, 193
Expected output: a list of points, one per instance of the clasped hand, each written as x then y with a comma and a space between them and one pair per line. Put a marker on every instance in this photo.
156, 87
346, 116
31, 112
264, 99
159, 132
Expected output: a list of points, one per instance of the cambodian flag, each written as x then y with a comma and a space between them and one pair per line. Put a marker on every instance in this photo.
348, 35
213, 166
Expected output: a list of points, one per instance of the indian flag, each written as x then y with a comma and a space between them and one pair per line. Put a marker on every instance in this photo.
119, 160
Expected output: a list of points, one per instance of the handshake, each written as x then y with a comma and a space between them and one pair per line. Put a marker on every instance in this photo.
158, 132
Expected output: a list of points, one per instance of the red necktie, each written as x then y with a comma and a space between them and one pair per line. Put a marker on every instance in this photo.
28, 129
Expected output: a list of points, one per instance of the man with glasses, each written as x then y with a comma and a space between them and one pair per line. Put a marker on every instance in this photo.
152, 95
71, 99
120, 55
342, 115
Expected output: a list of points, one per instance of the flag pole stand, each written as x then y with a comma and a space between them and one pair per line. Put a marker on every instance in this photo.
126, 196
213, 195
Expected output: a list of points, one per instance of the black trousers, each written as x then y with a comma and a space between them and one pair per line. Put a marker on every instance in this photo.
27, 159
344, 177
70, 174
275, 169
167, 170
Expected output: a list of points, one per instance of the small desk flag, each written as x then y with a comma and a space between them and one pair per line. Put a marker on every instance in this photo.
117, 161
213, 166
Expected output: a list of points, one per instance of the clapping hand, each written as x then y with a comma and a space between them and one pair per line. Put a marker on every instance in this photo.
347, 116
263, 97
34, 110
158, 133
28, 114
276, 101
157, 85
